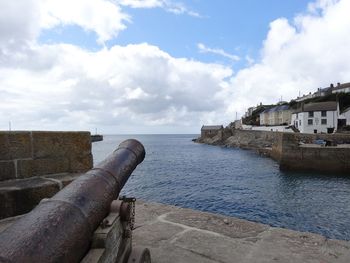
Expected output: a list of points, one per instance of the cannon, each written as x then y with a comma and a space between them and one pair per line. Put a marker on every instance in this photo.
85, 221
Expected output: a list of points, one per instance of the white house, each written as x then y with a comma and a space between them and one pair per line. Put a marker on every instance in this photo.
320, 117
344, 117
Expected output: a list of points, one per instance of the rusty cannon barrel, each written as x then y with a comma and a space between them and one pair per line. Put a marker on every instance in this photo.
59, 229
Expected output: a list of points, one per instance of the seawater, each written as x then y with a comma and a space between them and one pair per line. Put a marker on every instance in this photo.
235, 182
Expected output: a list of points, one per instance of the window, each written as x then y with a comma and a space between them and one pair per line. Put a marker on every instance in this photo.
323, 114
310, 122
324, 121
300, 122
311, 114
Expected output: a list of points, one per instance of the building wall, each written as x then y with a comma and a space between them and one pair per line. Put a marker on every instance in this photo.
341, 90
279, 128
275, 118
27, 154
346, 116
303, 117
286, 117
263, 119
209, 133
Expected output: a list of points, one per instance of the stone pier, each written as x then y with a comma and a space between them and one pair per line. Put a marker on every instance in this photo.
179, 235
176, 235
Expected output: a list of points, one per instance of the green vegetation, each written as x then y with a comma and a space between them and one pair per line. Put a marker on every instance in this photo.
255, 118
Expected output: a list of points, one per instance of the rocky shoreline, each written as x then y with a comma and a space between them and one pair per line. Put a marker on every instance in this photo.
259, 141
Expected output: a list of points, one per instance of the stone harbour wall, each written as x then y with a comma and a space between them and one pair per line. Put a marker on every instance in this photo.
292, 155
25, 154
286, 148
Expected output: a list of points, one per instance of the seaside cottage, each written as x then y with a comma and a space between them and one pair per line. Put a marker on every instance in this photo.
320, 117
210, 130
278, 115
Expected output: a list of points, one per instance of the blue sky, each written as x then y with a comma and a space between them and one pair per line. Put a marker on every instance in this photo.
237, 27
162, 66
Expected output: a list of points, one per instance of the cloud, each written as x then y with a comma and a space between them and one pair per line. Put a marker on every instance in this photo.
203, 49
140, 88
86, 14
170, 6
16, 29
303, 54
132, 86
23, 20
104, 17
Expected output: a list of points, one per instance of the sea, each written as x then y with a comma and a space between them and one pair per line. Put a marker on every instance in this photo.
235, 182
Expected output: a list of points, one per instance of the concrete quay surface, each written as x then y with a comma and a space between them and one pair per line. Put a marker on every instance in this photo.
175, 234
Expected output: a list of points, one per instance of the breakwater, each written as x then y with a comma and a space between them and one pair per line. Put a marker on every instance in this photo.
175, 234
293, 151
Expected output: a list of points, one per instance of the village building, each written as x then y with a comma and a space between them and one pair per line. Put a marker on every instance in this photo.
211, 130
345, 87
275, 116
323, 91
320, 117
305, 97
344, 118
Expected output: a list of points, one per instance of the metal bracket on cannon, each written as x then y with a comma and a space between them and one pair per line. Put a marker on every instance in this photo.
112, 240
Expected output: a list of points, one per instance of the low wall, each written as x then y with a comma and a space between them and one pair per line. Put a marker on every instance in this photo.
292, 156
25, 154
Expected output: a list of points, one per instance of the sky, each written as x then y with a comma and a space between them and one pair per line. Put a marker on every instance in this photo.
162, 66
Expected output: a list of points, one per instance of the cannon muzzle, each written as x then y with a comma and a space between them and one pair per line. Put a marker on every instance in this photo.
59, 229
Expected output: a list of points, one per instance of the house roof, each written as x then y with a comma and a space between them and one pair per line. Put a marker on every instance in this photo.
276, 109
342, 86
318, 106
211, 127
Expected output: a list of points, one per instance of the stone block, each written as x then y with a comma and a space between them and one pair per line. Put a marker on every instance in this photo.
38, 167
58, 144
81, 163
15, 145
7, 170
21, 196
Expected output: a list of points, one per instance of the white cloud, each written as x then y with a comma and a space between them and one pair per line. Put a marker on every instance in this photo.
22, 20
300, 55
168, 5
204, 49
103, 17
133, 86
18, 21
140, 88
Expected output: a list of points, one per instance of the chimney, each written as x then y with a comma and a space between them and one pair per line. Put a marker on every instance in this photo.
338, 84
332, 86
